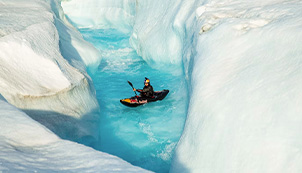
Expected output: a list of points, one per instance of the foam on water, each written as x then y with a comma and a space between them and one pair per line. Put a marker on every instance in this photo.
145, 136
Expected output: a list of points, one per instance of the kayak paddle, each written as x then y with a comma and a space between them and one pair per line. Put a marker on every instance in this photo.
132, 86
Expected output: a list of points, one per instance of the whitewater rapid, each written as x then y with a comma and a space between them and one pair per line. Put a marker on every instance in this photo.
145, 136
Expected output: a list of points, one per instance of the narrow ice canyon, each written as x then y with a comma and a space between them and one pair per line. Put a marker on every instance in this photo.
233, 68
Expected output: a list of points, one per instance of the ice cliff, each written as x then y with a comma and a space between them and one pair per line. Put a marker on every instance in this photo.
43, 64
242, 61
244, 113
43, 68
27, 146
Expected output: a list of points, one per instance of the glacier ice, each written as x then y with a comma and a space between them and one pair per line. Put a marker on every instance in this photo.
43, 68
244, 113
101, 13
43, 63
241, 60
159, 33
27, 146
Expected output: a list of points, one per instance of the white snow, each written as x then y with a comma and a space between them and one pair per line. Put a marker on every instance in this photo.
27, 146
43, 68
245, 113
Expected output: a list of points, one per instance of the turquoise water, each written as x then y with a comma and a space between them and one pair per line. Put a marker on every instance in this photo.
145, 136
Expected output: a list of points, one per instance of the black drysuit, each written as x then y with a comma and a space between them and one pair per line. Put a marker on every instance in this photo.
147, 91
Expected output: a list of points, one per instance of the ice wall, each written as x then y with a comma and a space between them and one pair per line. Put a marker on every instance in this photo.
160, 34
101, 13
43, 68
158, 29
27, 146
245, 113
43, 63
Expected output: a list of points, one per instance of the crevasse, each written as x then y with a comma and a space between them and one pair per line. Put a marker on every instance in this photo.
146, 136
242, 60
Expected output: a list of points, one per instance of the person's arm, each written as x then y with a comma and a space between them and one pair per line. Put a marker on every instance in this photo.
138, 90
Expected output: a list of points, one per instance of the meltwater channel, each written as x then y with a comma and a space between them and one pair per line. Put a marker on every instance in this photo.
145, 136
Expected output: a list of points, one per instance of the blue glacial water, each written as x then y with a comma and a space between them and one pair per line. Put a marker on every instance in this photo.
144, 136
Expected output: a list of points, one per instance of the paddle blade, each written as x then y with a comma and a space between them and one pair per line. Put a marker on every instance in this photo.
130, 84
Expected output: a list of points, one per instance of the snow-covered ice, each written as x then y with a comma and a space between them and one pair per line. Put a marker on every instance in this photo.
244, 113
43, 68
43, 63
27, 146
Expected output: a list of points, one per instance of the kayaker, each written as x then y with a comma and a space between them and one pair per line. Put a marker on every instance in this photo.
147, 91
